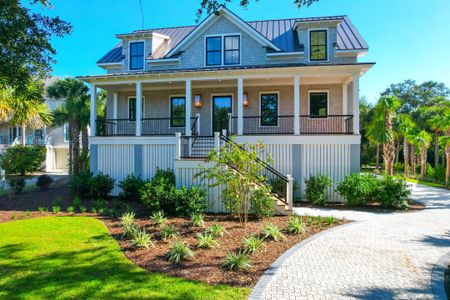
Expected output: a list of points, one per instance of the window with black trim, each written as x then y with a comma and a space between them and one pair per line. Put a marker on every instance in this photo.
214, 51
136, 55
318, 45
318, 104
269, 109
132, 109
232, 50
177, 111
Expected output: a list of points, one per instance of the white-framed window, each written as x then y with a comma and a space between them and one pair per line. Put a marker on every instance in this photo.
318, 104
223, 50
136, 53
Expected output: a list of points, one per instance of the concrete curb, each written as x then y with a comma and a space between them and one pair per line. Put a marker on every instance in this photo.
438, 277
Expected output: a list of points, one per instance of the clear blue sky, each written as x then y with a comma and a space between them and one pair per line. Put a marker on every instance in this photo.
407, 38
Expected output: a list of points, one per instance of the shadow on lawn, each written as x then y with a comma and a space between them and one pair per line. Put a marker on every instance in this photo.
94, 272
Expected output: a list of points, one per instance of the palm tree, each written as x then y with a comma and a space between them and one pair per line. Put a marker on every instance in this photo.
435, 121
445, 142
423, 141
406, 127
74, 111
380, 129
6, 112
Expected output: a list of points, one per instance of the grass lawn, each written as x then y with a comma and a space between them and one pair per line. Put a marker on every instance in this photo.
428, 183
75, 257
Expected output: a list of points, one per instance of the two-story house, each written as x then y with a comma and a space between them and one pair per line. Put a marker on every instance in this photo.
292, 84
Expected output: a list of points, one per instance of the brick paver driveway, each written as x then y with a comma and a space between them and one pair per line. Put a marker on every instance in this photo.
381, 256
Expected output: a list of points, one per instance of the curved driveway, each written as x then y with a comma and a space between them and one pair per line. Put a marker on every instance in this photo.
381, 256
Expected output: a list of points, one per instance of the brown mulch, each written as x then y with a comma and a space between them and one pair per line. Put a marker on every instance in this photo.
372, 207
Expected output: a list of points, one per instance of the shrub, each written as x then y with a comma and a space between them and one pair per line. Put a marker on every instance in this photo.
216, 230
272, 232
197, 220
130, 186
43, 182
399, 167
127, 219
190, 201
80, 185
76, 203
178, 252
168, 231
58, 201
236, 261
102, 185
21, 160
130, 230
56, 209
158, 218
357, 189
262, 203
42, 209
141, 239
159, 193
100, 204
206, 240
83, 209
70, 209
252, 244
295, 225
13, 216
392, 193
93, 210
27, 214
316, 189
16, 183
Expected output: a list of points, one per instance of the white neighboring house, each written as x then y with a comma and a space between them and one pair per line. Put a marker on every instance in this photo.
55, 139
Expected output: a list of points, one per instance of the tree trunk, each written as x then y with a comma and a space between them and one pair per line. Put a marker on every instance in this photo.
24, 136
436, 150
85, 148
76, 147
397, 153
378, 156
406, 156
447, 170
443, 158
389, 157
413, 160
70, 150
423, 162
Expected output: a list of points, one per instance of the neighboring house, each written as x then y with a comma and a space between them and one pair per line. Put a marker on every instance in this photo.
54, 138
292, 84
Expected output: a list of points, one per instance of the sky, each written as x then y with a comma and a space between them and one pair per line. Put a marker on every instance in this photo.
408, 39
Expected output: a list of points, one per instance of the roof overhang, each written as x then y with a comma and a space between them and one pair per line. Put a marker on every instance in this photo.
349, 53
317, 23
285, 55
141, 35
111, 65
164, 61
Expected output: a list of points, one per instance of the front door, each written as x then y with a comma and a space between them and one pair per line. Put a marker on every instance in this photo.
222, 106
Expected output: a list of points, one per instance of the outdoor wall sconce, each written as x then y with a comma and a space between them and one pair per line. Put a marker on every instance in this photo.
245, 99
198, 101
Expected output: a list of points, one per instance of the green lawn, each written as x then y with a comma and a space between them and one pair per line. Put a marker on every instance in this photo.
75, 257
428, 183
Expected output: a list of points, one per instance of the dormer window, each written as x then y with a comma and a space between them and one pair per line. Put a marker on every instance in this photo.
223, 50
318, 49
136, 55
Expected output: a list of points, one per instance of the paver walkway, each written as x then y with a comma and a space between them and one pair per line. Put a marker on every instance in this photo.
381, 256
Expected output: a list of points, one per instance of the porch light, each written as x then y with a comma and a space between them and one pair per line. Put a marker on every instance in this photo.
198, 101
245, 99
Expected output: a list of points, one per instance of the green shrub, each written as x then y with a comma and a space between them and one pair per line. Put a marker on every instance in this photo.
190, 201
158, 218
437, 174
58, 200
236, 261
127, 219
399, 167
295, 225
76, 203
93, 210
358, 189
100, 204
262, 203
197, 220
141, 239
70, 209
392, 193
80, 185
43, 182
272, 232
252, 244
159, 193
168, 231
102, 185
42, 209
130, 230
16, 183
56, 209
206, 240
13, 216
27, 214
130, 187
316, 189
83, 209
178, 252
216, 230
20, 160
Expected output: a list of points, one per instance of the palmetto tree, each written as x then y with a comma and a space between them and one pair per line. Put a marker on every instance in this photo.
380, 129
423, 141
445, 142
6, 112
406, 127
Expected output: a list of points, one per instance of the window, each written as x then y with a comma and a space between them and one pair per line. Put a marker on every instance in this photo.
136, 55
66, 132
132, 109
318, 45
232, 51
213, 51
269, 109
177, 111
318, 104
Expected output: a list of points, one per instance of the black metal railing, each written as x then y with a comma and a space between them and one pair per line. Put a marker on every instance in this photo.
149, 126
330, 124
197, 146
264, 125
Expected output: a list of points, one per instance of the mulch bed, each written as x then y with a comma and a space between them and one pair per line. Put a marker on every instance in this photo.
373, 207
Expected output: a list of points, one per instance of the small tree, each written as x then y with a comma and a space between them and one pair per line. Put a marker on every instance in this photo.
20, 160
423, 141
445, 143
238, 171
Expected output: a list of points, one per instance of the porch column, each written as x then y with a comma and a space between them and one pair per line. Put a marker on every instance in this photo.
297, 105
115, 100
240, 108
345, 99
356, 104
138, 108
93, 109
188, 107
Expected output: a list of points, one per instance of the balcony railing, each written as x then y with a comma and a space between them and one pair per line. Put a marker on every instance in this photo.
267, 125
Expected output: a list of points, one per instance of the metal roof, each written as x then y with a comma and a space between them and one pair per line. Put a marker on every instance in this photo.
280, 32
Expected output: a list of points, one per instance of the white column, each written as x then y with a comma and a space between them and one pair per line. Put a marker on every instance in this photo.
178, 152
197, 115
297, 105
345, 99
240, 108
115, 100
188, 107
138, 108
93, 109
356, 104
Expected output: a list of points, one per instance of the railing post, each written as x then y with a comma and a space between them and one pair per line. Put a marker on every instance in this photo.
240, 108
217, 141
198, 123
230, 123
138, 108
290, 191
296, 105
93, 111
178, 137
